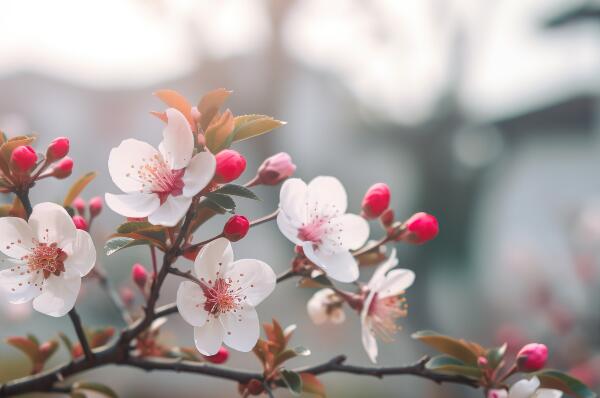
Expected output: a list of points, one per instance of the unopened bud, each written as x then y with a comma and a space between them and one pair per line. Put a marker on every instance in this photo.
420, 228
23, 158
376, 200
220, 357
276, 169
230, 165
79, 205
63, 168
532, 357
58, 149
139, 275
236, 228
95, 206
80, 223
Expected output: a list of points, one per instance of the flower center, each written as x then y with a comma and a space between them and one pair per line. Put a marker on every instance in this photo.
156, 177
221, 296
48, 258
383, 313
314, 230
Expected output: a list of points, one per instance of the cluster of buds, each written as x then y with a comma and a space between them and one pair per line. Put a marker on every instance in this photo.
90, 210
419, 228
25, 165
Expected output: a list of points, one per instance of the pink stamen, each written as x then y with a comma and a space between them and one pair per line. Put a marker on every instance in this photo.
384, 312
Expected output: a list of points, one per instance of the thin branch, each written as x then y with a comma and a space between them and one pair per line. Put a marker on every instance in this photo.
80, 334
286, 275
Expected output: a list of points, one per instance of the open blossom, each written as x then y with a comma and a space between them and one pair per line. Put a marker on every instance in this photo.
326, 306
313, 217
384, 304
159, 184
222, 308
48, 257
526, 389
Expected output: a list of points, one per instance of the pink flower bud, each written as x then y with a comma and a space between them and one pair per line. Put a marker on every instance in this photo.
139, 275
80, 223
387, 218
497, 394
420, 228
95, 206
79, 205
58, 149
230, 165
376, 200
63, 168
532, 357
127, 296
220, 357
276, 169
236, 228
482, 362
23, 158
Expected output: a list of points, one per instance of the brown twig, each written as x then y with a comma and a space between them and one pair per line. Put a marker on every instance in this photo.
76, 320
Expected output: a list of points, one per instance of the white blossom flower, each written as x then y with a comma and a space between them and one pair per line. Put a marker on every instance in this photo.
526, 389
159, 184
47, 257
222, 309
313, 216
384, 304
325, 306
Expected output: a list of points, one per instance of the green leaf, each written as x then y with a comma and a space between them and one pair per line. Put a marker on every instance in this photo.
459, 349
312, 385
135, 226
223, 201
451, 365
66, 341
558, 380
210, 104
248, 126
96, 387
33, 339
292, 380
115, 244
237, 190
77, 188
496, 355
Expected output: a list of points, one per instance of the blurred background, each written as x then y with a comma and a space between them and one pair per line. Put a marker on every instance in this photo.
483, 113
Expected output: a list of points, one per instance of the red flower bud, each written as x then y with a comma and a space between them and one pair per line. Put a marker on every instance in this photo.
230, 165
482, 362
139, 275
276, 169
376, 200
79, 205
95, 206
80, 223
23, 158
236, 228
220, 357
420, 228
63, 168
532, 357
58, 149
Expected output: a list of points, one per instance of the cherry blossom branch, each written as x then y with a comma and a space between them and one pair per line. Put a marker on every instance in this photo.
290, 273
23, 195
76, 320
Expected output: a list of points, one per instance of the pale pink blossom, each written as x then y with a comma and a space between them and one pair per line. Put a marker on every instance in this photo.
326, 306
526, 389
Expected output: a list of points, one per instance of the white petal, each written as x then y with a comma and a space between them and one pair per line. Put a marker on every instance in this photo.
293, 199
59, 294
337, 316
396, 282
199, 173
125, 160
19, 285
81, 255
51, 223
133, 204
340, 266
328, 192
214, 258
355, 231
208, 338
190, 303
288, 227
548, 393
379, 274
316, 308
170, 212
254, 277
178, 140
369, 342
524, 388
241, 328
16, 237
